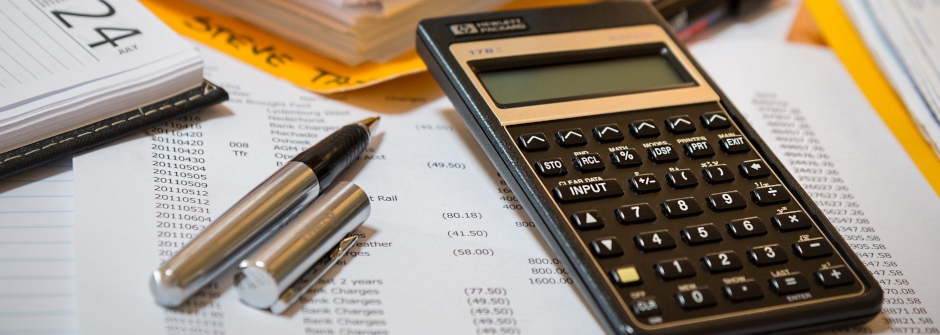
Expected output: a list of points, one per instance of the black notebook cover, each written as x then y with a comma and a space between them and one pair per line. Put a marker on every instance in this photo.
110, 129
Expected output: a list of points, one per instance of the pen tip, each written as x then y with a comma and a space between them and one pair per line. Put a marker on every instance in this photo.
371, 124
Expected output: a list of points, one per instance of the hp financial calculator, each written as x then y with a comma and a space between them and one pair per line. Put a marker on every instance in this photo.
671, 214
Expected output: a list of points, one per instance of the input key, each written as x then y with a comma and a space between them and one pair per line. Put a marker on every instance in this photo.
605, 188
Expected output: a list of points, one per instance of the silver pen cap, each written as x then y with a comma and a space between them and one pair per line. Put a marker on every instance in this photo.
312, 235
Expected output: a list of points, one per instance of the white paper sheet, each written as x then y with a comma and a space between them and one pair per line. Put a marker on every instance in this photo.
806, 106
444, 231
37, 283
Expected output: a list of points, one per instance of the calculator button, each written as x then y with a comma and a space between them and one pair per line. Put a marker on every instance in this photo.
551, 167
675, 269
589, 162
606, 247
718, 174
767, 255
834, 277
748, 227
663, 154
655, 240
633, 214
734, 145
698, 149
722, 262
626, 275
715, 120
625, 158
587, 220
644, 128
701, 234
770, 195
791, 221
533, 142
698, 298
680, 124
754, 169
645, 307
790, 284
681, 178
677, 208
571, 137
644, 183
608, 133
745, 291
814, 248
588, 191
726, 201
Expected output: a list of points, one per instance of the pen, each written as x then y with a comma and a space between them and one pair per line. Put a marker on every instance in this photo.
276, 274
259, 214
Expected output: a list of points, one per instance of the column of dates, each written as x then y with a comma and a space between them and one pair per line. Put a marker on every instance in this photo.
810, 164
181, 203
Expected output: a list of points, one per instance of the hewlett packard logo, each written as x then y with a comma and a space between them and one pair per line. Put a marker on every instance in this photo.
488, 26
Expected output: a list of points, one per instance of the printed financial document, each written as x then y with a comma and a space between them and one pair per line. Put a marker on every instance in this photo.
447, 249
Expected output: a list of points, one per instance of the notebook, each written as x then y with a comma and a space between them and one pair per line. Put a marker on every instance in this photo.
67, 65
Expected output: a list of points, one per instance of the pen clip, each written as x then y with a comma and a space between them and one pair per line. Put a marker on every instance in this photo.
308, 279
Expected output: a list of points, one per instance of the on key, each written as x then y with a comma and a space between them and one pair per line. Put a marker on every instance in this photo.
606, 188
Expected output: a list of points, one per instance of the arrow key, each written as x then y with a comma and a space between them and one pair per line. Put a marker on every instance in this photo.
754, 169
533, 142
680, 124
606, 247
715, 120
587, 220
608, 133
571, 137
644, 128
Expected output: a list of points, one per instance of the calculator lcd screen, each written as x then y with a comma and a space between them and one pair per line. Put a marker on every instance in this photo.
545, 83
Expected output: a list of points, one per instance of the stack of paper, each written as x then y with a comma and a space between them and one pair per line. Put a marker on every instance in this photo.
65, 64
350, 31
902, 36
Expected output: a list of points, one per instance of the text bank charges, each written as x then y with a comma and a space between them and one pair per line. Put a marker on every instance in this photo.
671, 214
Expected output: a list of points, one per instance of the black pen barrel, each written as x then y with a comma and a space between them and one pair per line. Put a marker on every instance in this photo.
334, 153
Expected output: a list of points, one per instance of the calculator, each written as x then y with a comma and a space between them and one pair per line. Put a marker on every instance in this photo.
671, 214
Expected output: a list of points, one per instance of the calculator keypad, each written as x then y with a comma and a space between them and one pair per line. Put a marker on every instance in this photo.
745, 242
